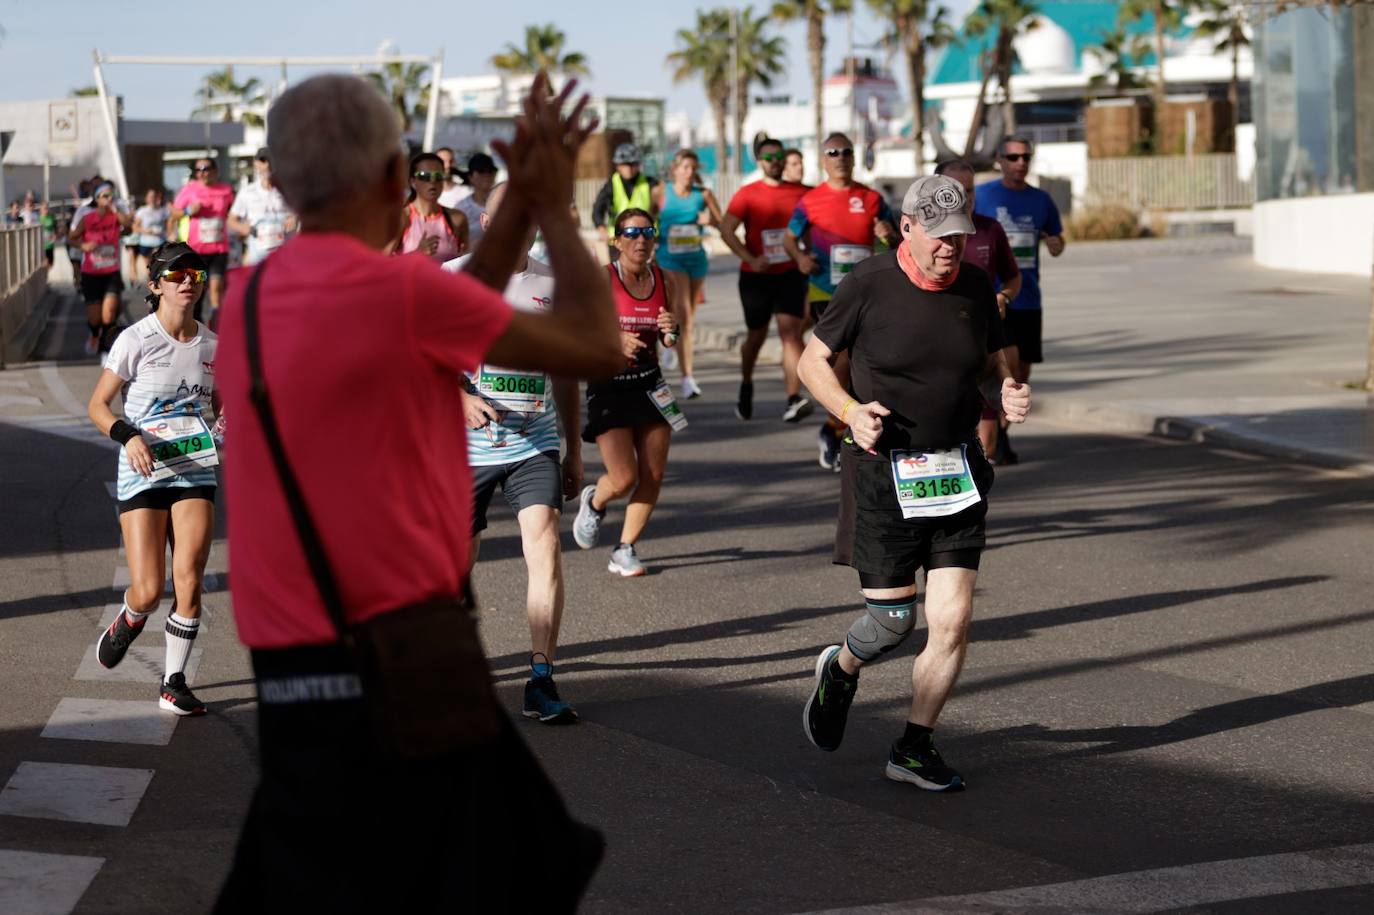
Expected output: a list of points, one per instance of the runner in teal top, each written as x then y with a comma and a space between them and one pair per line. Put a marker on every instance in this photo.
682, 203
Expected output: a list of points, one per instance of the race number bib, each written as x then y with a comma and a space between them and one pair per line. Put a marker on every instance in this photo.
180, 443
684, 239
1023, 247
508, 389
104, 257
932, 484
209, 230
773, 251
663, 399
843, 259
270, 234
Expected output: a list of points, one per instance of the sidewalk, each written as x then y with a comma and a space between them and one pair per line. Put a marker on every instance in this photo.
1185, 338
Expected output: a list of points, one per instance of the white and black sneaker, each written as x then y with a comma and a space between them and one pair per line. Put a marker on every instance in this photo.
176, 697
799, 407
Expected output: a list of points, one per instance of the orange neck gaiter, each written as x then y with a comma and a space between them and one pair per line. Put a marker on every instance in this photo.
913, 272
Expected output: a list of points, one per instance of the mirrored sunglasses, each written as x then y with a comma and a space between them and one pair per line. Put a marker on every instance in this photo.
835, 152
177, 277
638, 232
428, 176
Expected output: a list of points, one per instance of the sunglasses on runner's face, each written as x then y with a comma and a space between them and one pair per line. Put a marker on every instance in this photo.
638, 232
203, 168
1017, 157
772, 157
428, 176
177, 277
835, 152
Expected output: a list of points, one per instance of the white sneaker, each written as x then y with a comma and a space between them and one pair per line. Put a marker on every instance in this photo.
587, 524
625, 563
797, 410
690, 389
668, 360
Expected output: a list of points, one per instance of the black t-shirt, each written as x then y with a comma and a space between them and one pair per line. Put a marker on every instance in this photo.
920, 354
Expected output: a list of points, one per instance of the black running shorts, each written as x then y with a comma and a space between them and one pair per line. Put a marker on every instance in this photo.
766, 294
96, 286
216, 264
615, 407
162, 498
536, 480
1023, 327
873, 538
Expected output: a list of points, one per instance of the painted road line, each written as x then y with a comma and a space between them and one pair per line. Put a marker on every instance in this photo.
142, 664
104, 795
61, 393
1163, 889
39, 884
111, 721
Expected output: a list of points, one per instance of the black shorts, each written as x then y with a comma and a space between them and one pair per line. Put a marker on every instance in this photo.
620, 408
536, 480
873, 538
147, 252
216, 264
163, 498
96, 286
1023, 327
766, 294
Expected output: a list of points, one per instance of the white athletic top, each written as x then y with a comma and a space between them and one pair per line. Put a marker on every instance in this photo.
450, 197
265, 211
473, 211
517, 435
164, 377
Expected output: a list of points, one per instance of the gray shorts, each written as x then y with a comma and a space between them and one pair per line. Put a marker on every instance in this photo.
536, 480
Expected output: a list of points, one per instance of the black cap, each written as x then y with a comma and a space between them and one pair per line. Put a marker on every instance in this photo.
172, 254
481, 162
264, 154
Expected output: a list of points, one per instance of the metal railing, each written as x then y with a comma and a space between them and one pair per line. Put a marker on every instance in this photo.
1206, 182
23, 280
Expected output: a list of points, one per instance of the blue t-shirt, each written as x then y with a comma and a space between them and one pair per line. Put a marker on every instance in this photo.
1024, 214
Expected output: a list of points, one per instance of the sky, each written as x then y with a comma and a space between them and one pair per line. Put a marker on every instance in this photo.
45, 51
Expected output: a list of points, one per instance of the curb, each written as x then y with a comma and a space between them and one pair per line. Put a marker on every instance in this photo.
1115, 417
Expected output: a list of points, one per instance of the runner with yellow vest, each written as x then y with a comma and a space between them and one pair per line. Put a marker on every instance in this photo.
627, 188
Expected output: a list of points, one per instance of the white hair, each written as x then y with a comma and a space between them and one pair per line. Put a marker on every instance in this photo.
329, 137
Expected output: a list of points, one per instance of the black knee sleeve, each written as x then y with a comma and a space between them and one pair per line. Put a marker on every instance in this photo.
885, 625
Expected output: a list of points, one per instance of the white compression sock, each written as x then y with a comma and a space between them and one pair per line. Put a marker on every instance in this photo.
181, 634
131, 615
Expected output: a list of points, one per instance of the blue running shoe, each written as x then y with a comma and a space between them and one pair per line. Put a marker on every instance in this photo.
543, 704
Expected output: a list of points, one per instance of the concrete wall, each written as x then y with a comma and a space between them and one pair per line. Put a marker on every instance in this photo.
1332, 234
74, 149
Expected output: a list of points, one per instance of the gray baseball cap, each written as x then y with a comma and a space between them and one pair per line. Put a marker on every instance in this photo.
939, 204
625, 154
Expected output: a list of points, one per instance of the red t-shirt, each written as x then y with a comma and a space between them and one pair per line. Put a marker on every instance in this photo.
363, 356
103, 232
766, 208
989, 249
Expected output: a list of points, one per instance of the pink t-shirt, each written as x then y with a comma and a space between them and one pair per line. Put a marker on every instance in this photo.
103, 231
208, 233
419, 227
364, 356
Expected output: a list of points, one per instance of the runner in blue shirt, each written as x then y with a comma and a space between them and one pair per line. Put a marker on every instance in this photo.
1027, 214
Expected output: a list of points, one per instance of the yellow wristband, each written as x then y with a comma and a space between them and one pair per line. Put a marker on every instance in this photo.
844, 411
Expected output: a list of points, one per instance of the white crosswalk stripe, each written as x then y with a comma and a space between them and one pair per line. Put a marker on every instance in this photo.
110, 720
79, 794
40, 884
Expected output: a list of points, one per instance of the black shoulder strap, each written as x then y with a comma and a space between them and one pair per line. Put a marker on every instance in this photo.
306, 531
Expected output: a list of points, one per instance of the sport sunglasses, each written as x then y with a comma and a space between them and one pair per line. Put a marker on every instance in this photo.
772, 157
835, 152
428, 176
638, 232
1017, 157
177, 277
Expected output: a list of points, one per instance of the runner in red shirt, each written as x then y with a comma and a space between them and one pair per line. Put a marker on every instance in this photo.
769, 281
97, 230
206, 201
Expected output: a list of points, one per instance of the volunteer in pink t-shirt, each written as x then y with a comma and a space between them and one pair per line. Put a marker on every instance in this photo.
206, 201
362, 357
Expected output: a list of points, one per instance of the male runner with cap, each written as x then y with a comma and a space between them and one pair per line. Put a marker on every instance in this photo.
769, 282
914, 486
627, 188
844, 218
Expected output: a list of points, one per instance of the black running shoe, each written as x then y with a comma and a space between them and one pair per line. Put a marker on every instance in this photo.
828, 708
543, 704
828, 440
922, 767
114, 642
178, 699
1002, 455
744, 409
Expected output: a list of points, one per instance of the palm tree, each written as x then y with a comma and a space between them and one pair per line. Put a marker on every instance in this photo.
1167, 16
813, 13
1005, 19
703, 53
760, 58
399, 82
543, 50
915, 34
1119, 53
220, 86
1227, 23
83, 92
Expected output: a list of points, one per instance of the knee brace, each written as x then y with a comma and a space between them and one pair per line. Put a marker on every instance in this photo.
885, 625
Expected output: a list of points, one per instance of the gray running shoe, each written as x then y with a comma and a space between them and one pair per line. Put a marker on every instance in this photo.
798, 410
587, 524
625, 563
